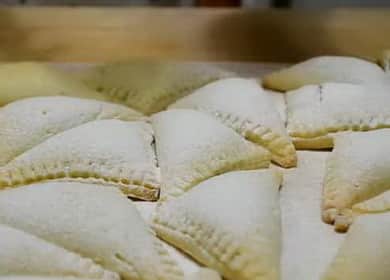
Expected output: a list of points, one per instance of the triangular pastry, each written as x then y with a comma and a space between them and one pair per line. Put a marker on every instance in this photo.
357, 170
317, 112
96, 222
28, 122
150, 86
24, 254
322, 69
193, 146
365, 253
230, 223
29, 79
109, 152
244, 106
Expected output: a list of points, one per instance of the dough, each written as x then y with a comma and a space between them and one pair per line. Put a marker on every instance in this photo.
324, 69
28, 79
96, 222
205, 274
25, 254
109, 152
150, 86
365, 253
316, 113
357, 170
193, 146
230, 223
28, 122
242, 105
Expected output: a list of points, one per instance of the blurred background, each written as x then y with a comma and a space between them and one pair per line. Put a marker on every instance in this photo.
305, 4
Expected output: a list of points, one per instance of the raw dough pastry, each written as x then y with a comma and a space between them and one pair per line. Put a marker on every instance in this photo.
365, 253
96, 222
358, 169
28, 122
29, 79
25, 254
324, 69
110, 152
242, 105
205, 274
150, 86
193, 146
230, 223
315, 113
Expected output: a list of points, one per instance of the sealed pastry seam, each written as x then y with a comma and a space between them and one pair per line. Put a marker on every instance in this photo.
282, 150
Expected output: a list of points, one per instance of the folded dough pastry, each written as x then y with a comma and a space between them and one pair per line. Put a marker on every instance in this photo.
96, 222
28, 122
365, 253
109, 152
316, 113
324, 69
230, 223
357, 170
244, 106
193, 146
29, 79
204, 274
24, 254
150, 86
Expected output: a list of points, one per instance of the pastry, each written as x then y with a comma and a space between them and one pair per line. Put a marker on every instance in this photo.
24, 254
324, 69
242, 105
204, 274
28, 122
150, 86
230, 223
357, 170
365, 253
28, 79
96, 222
316, 113
109, 152
192, 146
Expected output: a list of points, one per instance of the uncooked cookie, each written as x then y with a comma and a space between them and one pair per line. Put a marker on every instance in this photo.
94, 221
358, 169
108, 152
244, 106
28, 122
230, 223
150, 86
324, 69
193, 146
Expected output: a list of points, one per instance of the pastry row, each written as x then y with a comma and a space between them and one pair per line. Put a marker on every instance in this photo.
230, 223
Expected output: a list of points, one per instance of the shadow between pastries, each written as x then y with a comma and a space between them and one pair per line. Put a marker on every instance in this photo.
193, 146
245, 107
107, 152
230, 223
96, 222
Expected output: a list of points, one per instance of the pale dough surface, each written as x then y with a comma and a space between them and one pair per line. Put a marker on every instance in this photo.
309, 244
